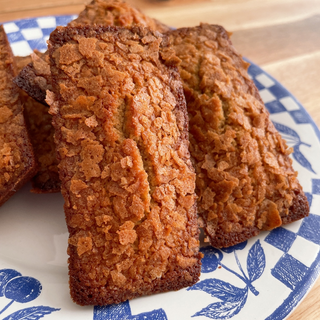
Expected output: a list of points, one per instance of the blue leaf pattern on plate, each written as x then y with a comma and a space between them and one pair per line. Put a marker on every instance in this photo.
300, 158
33, 313
293, 139
223, 310
219, 289
256, 261
286, 131
232, 298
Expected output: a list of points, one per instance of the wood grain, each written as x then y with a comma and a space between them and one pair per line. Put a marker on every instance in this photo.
282, 36
290, 52
295, 74
16, 9
237, 15
280, 41
309, 308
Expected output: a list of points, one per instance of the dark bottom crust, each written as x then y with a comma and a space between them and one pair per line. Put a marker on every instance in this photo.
174, 280
25, 81
223, 240
31, 169
46, 182
298, 210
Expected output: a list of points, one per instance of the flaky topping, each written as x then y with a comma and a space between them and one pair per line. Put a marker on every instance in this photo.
35, 78
244, 175
16, 156
115, 13
121, 132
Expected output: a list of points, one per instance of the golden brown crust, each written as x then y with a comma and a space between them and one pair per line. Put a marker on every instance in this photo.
127, 179
39, 123
35, 77
298, 208
245, 179
17, 163
116, 13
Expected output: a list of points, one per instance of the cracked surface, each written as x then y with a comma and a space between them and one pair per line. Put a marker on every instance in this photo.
245, 180
127, 179
116, 13
35, 77
17, 164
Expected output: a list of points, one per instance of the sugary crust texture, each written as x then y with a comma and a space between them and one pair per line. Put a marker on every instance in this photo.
116, 13
17, 163
35, 77
245, 180
127, 179
39, 123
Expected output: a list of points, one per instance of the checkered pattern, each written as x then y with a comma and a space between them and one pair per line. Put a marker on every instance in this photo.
294, 266
289, 269
278, 99
29, 34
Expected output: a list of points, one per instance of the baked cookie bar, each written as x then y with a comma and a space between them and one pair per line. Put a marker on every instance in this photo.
116, 13
122, 144
39, 123
17, 163
245, 180
35, 77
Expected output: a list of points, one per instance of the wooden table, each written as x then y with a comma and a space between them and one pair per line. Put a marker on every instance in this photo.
282, 36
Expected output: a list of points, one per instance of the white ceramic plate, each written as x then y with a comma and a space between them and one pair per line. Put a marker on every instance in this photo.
264, 278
